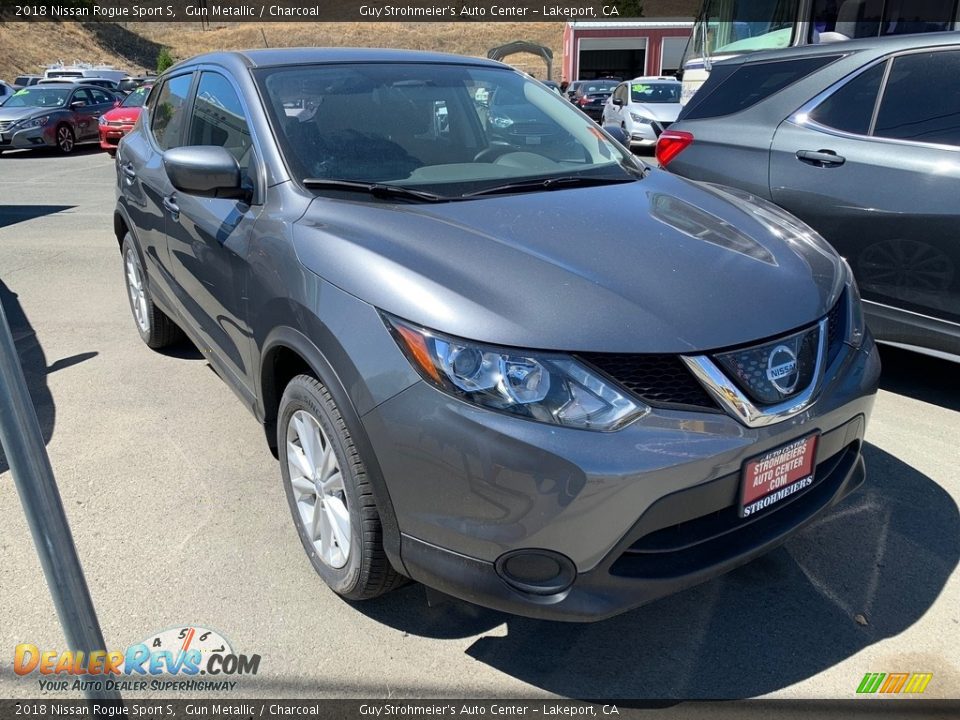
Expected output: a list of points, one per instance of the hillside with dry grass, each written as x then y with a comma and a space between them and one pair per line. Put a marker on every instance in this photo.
461, 38
29, 47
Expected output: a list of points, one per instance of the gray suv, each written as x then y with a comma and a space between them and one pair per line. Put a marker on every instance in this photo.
861, 140
465, 383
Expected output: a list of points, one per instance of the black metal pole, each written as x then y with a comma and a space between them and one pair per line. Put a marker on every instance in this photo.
29, 463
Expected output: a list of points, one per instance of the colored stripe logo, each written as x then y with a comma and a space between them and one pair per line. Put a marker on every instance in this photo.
894, 683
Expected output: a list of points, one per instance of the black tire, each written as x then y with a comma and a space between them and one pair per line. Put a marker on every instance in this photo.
66, 140
112, 152
367, 573
159, 331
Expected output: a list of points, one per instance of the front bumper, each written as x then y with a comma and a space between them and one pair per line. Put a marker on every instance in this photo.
644, 134
111, 135
28, 138
637, 514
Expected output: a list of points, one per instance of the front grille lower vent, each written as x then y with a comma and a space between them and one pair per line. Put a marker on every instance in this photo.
658, 380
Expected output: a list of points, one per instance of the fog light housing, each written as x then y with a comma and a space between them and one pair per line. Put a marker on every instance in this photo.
536, 572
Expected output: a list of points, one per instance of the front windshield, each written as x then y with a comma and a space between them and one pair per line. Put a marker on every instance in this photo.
660, 92
137, 98
737, 26
449, 129
39, 97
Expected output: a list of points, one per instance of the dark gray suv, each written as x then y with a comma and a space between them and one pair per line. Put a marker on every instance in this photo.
861, 140
465, 383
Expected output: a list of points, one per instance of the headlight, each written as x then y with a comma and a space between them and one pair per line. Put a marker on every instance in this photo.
550, 388
102, 121
641, 119
499, 121
32, 122
856, 325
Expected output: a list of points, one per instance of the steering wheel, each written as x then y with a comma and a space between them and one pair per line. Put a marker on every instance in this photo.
496, 149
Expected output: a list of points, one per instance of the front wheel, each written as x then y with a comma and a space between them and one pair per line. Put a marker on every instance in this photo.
329, 493
66, 141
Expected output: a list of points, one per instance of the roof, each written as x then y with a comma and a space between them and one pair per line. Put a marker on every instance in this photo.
662, 24
267, 57
880, 46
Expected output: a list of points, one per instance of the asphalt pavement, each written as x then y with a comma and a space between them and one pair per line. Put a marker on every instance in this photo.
180, 520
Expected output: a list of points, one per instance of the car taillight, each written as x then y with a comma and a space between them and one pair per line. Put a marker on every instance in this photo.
670, 144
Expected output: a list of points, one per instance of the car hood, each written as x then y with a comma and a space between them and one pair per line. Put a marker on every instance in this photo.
21, 113
660, 265
664, 112
122, 114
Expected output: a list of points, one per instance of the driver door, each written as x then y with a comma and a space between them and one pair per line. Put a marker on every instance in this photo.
207, 238
614, 113
82, 117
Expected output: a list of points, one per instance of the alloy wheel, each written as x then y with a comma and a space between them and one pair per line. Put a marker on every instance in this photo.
65, 139
138, 299
318, 490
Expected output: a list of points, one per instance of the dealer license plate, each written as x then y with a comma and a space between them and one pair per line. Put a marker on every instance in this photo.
777, 475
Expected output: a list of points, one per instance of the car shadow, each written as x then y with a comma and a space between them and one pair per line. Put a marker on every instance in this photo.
921, 377
34, 364
80, 150
866, 571
13, 214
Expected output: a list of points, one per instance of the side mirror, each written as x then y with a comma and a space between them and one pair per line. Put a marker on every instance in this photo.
616, 101
617, 133
205, 170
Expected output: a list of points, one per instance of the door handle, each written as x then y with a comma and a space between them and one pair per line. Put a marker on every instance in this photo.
820, 158
170, 203
127, 169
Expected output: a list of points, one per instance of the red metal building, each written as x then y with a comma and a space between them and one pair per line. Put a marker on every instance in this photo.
623, 49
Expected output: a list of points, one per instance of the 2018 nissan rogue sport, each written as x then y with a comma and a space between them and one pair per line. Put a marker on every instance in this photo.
557, 414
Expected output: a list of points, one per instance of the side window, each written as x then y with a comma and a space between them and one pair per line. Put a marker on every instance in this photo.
850, 108
168, 115
622, 94
921, 100
727, 93
218, 119
82, 95
100, 97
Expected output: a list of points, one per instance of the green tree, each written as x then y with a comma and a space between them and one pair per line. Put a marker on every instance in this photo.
164, 60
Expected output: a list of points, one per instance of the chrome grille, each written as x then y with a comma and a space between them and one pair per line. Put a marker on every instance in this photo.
776, 370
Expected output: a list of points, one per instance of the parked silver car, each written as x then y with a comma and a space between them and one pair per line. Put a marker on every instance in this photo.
643, 108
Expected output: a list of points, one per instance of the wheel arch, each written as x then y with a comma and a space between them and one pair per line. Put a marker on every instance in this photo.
286, 353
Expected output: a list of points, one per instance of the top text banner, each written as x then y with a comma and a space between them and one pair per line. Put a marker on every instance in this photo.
219, 11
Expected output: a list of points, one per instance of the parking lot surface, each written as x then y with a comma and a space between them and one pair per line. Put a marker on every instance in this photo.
180, 520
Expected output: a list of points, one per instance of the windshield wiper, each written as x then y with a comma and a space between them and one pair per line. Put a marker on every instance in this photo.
376, 189
551, 183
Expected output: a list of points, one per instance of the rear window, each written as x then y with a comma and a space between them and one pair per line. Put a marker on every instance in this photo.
921, 101
850, 108
594, 88
730, 90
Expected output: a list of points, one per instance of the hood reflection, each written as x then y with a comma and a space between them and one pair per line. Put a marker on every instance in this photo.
699, 224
